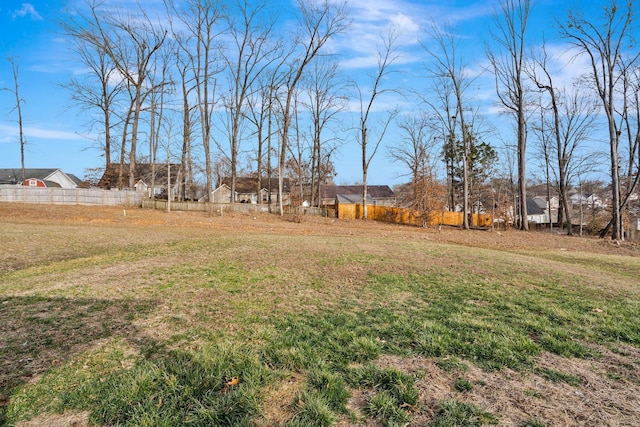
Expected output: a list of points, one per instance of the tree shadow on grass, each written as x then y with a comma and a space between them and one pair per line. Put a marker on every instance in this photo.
38, 333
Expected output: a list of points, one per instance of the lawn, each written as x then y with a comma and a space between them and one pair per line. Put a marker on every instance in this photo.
112, 316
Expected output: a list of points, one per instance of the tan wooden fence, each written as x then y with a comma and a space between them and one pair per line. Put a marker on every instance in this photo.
411, 217
69, 196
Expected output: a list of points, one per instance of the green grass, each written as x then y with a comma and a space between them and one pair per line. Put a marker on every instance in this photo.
311, 410
154, 325
463, 385
556, 376
451, 364
459, 414
384, 407
161, 388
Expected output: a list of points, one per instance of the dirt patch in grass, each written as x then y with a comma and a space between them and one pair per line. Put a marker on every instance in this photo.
277, 401
57, 420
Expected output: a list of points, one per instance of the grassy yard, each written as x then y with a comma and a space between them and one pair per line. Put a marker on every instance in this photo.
139, 318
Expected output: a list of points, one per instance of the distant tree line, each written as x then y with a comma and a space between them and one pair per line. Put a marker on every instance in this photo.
219, 88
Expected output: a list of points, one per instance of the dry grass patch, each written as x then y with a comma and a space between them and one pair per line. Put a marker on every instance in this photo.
519, 397
58, 420
277, 400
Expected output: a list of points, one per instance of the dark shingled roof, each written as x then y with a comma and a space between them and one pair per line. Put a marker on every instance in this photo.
352, 198
248, 185
533, 208
14, 175
373, 191
143, 173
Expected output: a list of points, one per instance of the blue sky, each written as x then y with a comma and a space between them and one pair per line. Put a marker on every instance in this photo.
57, 137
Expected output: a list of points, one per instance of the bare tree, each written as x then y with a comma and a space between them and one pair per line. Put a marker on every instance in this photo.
250, 53
631, 128
450, 74
131, 43
443, 107
200, 18
543, 155
186, 189
324, 104
260, 113
184, 65
298, 164
319, 22
416, 153
161, 85
572, 117
416, 147
126, 121
369, 141
604, 44
509, 33
18, 108
101, 86
91, 35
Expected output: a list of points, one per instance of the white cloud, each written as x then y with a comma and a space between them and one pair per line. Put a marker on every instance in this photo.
566, 65
27, 9
368, 61
10, 133
51, 134
372, 21
405, 22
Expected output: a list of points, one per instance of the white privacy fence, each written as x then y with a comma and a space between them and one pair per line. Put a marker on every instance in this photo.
69, 196
222, 208
84, 196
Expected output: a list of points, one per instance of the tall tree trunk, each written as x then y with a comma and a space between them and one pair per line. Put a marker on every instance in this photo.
134, 138
364, 171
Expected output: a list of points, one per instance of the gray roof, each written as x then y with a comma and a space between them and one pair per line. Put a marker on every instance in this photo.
75, 179
143, 172
14, 175
541, 202
352, 198
373, 191
248, 185
533, 208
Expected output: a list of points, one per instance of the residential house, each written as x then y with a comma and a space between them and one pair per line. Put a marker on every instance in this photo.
39, 178
536, 214
149, 179
222, 194
381, 195
353, 199
246, 191
589, 200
